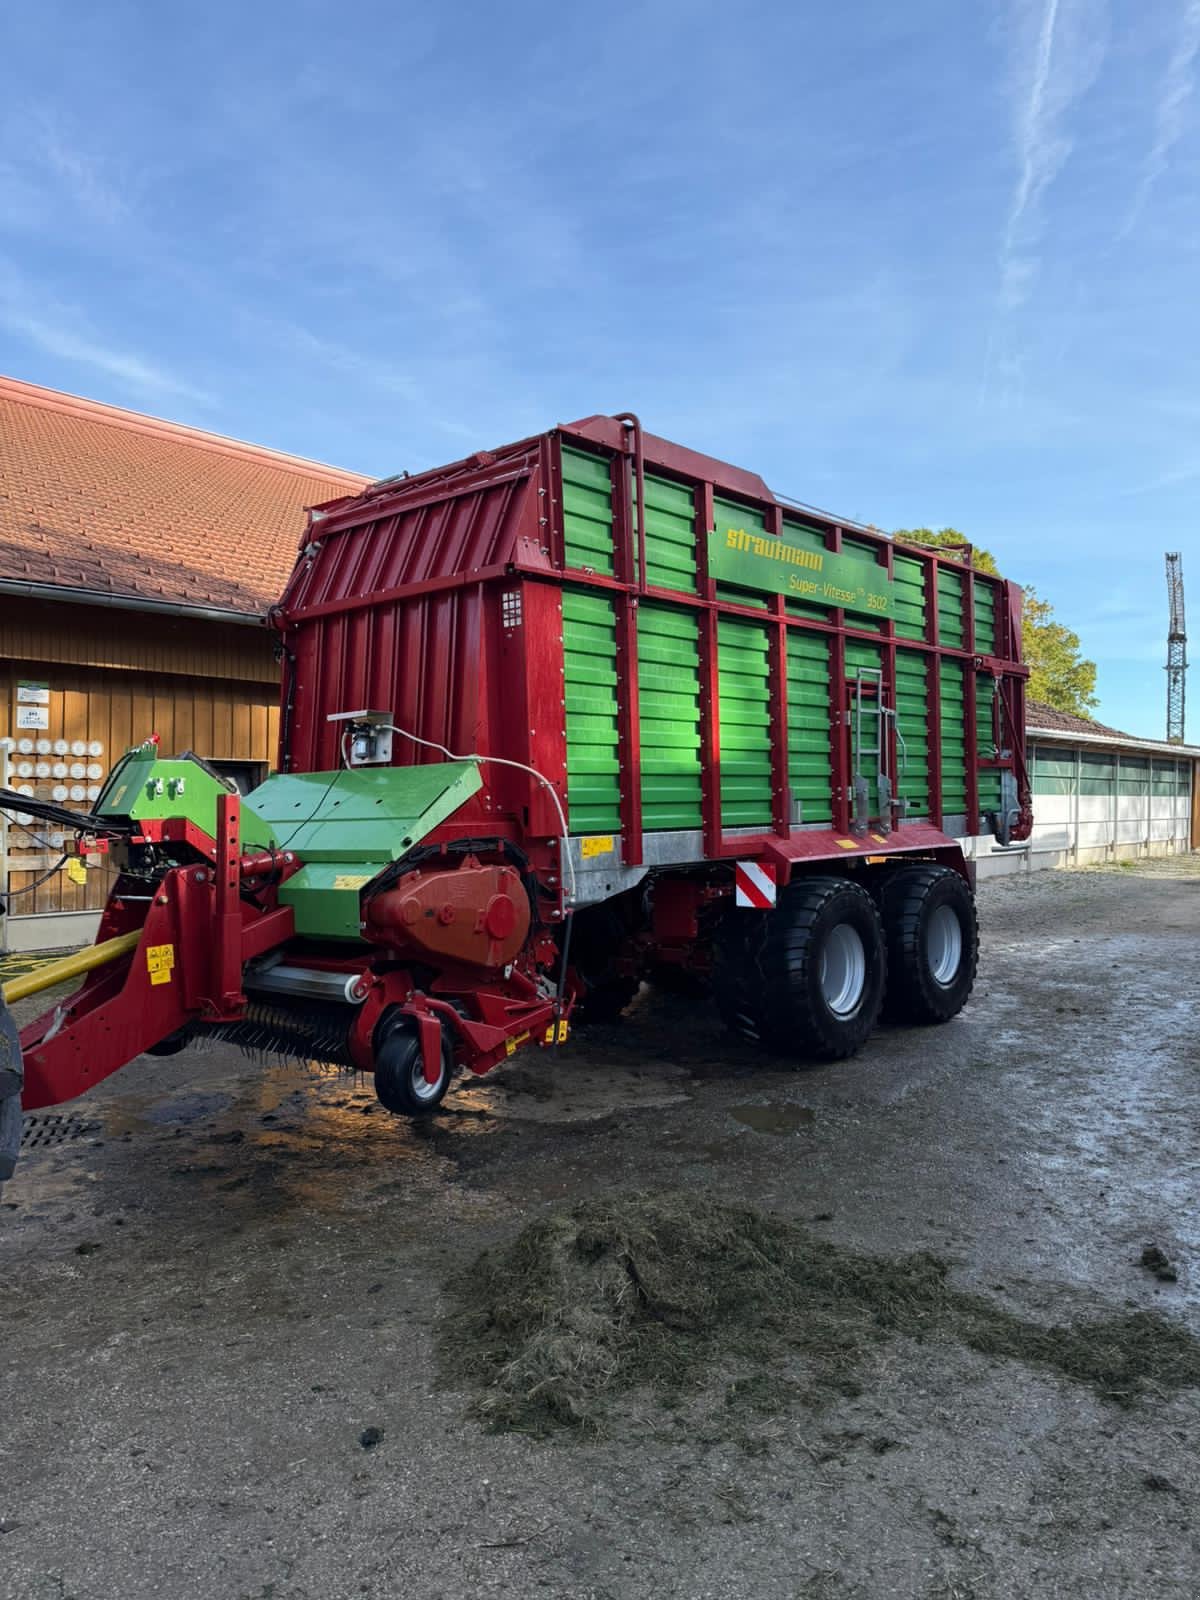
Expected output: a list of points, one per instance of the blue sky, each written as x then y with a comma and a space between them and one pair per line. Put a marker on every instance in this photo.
923, 264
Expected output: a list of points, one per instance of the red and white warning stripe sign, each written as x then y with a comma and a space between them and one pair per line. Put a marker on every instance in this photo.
754, 885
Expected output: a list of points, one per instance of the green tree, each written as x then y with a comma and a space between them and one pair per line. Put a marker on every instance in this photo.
1060, 675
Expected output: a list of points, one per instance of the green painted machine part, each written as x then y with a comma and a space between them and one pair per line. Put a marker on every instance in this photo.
347, 826
148, 788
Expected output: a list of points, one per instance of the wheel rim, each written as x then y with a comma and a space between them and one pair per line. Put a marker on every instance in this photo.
843, 970
422, 1089
944, 946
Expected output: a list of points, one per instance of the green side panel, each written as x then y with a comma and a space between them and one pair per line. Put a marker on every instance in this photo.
988, 777
145, 787
912, 723
810, 776
590, 675
587, 511
670, 535
863, 655
346, 826
804, 538
950, 608
864, 552
985, 617
669, 716
727, 513
745, 717
909, 603
954, 750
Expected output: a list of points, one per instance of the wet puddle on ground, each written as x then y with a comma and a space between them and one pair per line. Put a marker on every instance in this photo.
778, 1119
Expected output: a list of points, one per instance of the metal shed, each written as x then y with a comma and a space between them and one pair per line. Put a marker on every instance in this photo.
1100, 795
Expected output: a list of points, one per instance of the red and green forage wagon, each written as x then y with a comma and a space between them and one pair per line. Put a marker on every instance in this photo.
556, 717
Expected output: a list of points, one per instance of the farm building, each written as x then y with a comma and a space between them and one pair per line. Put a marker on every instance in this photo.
1100, 795
137, 560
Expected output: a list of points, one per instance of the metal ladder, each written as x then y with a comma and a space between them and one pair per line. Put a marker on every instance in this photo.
867, 684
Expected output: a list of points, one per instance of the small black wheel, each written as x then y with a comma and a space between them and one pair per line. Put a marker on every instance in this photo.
933, 943
806, 979
400, 1080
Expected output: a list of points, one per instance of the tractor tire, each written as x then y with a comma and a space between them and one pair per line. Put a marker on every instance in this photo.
932, 942
809, 979
400, 1081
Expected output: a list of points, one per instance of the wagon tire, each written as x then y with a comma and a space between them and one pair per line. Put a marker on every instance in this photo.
933, 943
805, 980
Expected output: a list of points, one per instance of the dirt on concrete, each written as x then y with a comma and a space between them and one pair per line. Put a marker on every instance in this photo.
233, 1365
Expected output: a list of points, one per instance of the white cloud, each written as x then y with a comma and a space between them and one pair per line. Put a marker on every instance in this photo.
1058, 51
1179, 82
59, 331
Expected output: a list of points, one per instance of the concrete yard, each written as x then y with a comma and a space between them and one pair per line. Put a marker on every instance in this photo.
233, 1271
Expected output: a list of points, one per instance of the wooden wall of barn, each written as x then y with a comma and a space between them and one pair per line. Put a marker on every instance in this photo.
112, 678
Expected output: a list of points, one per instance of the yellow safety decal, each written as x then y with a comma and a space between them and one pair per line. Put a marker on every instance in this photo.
879, 838
350, 880
510, 1045
564, 1027
599, 844
847, 844
77, 870
160, 959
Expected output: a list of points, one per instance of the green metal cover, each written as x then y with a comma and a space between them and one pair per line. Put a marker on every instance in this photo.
809, 764
590, 690
909, 602
148, 788
670, 526
587, 511
985, 616
912, 722
869, 656
346, 826
954, 748
669, 715
745, 723
950, 608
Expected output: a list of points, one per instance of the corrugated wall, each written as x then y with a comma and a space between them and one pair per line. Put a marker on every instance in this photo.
106, 679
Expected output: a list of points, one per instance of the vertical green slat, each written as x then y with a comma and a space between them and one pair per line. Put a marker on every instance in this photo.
912, 721
989, 777
864, 655
868, 552
745, 717
810, 777
950, 608
985, 617
909, 601
670, 535
587, 511
669, 715
590, 674
954, 750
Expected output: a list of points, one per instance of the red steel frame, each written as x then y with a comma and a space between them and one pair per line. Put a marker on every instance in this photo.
526, 724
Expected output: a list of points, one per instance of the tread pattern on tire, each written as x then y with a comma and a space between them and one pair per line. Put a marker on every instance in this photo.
763, 973
912, 995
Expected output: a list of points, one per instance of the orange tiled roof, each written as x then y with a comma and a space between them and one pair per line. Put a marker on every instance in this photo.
116, 503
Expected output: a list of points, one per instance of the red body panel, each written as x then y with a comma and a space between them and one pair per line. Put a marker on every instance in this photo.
439, 598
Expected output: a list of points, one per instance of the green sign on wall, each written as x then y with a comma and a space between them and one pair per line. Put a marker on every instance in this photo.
758, 561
